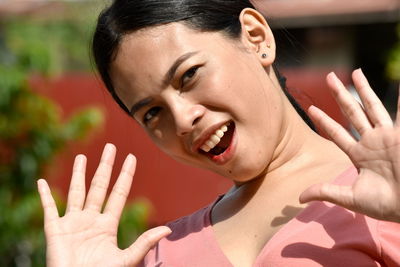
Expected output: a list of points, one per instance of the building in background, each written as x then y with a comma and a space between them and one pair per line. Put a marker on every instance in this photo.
317, 36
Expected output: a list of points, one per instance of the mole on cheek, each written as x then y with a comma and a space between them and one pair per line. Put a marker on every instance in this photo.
158, 133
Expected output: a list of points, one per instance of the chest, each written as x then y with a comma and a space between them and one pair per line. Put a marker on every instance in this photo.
336, 238
244, 236
242, 232
325, 236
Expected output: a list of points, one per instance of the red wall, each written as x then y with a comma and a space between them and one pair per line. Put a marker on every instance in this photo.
173, 189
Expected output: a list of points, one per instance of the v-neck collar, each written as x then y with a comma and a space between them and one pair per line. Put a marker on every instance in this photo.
210, 234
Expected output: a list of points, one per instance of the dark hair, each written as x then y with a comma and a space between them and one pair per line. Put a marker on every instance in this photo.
126, 16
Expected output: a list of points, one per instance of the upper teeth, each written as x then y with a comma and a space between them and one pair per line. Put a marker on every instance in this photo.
214, 138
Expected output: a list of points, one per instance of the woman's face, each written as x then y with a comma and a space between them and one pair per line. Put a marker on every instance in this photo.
203, 98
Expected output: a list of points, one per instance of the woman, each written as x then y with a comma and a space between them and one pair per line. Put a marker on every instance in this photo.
199, 77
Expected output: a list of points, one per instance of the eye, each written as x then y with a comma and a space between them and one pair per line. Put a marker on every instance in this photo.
150, 114
189, 74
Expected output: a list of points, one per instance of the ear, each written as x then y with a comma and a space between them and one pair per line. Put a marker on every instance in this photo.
257, 36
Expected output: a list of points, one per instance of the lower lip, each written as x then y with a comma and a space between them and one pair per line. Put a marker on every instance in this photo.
228, 153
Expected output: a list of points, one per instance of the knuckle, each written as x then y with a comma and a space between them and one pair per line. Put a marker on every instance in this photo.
351, 111
92, 207
100, 182
146, 240
106, 164
77, 171
372, 104
127, 172
72, 207
75, 204
76, 188
120, 191
335, 132
361, 129
48, 205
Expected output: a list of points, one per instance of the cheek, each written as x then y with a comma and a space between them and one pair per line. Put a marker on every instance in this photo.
239, 91
158, 134
166, 140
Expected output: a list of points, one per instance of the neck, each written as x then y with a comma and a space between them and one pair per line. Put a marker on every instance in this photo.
301, 158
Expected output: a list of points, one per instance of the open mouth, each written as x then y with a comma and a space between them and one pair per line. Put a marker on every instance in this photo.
219, 142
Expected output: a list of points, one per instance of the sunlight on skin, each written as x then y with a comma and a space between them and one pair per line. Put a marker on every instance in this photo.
158, 133
375, 155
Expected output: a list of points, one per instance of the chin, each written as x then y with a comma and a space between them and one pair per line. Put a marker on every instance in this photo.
243, 173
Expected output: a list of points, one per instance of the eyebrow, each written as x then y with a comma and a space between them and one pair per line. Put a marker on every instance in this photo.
167, 80
140, 104
171, 72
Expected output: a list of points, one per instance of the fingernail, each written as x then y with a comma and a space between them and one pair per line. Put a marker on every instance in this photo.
79, 157
312, 107
165, 229
333, 75
40, 184
108, 147
79, 161
129, 164
360, 71
108, 152
130, 159
335, 78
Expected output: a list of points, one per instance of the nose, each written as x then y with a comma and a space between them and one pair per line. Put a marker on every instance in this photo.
186, 115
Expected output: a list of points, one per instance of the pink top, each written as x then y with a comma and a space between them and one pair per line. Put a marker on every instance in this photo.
323, 234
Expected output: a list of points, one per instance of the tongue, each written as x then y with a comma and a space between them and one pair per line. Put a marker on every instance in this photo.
217, 150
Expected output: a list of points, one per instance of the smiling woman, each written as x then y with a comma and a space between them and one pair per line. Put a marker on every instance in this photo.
198, 76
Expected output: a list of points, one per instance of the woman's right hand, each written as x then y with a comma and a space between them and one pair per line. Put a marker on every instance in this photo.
86, 235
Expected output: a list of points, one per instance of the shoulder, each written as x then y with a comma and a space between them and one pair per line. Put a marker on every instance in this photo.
187, 242
194, 222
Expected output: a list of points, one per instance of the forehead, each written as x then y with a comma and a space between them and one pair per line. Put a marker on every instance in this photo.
145, 56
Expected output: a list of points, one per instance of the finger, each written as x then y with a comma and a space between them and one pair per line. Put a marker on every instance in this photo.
138, 250
377, 113
76, 193
120, 191
48, 203
335, 131
339, 195
398, 109
349, 106
101, 179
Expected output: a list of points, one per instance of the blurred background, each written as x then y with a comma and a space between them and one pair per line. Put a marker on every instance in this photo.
53, 105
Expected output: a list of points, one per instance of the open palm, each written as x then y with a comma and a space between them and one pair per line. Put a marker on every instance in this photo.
376, 155
86, 235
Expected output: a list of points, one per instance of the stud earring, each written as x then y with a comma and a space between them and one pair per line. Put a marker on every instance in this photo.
264, 55
268, 45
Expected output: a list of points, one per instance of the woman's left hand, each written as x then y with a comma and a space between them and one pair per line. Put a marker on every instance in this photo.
376, 155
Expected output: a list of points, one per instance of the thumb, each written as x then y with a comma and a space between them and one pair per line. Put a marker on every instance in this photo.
138, 250
339, 195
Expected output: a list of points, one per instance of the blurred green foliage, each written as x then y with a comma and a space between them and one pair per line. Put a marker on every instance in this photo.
32, 130
133, 222
393, 67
